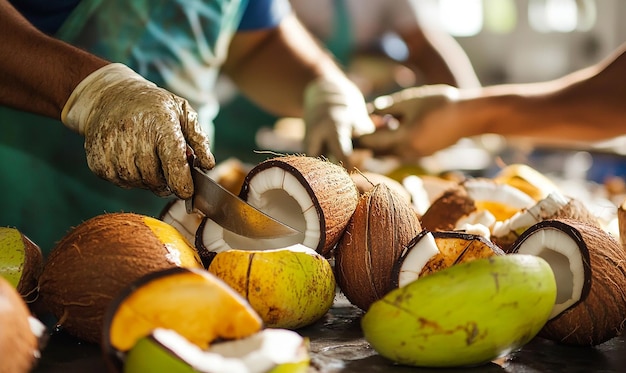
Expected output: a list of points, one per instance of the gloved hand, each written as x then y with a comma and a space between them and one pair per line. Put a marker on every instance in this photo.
334, 113
416, 131
136, 134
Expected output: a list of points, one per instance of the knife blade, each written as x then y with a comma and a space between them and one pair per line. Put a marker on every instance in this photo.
230, 211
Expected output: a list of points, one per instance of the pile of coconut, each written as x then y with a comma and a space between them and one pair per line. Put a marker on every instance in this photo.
365, 233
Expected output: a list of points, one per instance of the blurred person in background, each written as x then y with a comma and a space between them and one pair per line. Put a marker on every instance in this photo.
133, 132
581, 107
352, 30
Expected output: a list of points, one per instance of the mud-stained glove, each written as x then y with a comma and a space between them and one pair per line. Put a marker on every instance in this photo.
410, 136
334, 113
136, 134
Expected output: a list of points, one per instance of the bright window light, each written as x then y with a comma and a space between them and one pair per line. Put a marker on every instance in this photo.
561, 15
461, 17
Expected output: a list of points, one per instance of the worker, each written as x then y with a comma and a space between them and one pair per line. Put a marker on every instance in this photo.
137, 92
347, 28
583, 106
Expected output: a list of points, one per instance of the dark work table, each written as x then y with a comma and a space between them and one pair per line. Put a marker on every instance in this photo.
337, 345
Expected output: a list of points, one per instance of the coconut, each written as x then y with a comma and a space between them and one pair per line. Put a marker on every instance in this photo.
312, 195
270, 350
98, 258
382, 224
430, 252
18, 343
175, 214
474, 201
590, 269
527, 179
289, 288
554, 206
465, 315
191, 301
621, 223
21, 261
366, 180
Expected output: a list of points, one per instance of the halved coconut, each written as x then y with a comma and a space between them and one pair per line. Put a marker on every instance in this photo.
21, 261
430, 252
193, 302
165, 350
554, 206
382, 224
527, 179
312, 195
175, 214
477, 200
590, 270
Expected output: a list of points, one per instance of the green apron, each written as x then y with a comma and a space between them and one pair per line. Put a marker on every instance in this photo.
239, 120
47, 187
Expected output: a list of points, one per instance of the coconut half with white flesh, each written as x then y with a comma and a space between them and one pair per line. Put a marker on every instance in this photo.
430, 252
474, 201
589, 266
312, 195
554, 206
165, 350
175, 214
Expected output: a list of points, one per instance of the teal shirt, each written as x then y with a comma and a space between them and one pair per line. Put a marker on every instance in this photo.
47, 187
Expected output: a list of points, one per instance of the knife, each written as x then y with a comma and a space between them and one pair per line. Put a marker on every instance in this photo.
230, 211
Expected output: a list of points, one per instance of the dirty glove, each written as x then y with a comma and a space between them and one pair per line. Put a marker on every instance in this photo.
136, 134
410, 133
334, 113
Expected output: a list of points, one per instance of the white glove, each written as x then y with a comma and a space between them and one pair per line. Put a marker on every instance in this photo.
334, 113
136, 134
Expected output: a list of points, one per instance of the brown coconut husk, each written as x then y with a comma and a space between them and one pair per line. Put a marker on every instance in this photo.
600, 313
382, 224
92, 264
445, 211
329, 186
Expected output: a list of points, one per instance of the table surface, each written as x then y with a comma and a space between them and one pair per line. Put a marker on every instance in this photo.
337, 345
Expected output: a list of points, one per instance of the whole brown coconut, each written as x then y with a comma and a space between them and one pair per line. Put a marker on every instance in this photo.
590, 268
365, 256
310, 194
99, 258
18, 345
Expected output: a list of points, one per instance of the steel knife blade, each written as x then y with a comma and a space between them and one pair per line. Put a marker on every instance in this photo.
230, 211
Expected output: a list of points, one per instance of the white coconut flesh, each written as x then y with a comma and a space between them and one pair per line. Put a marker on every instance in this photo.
526, 218
416, 258
563, 255
255, 354
482, 218
187, 224
489, 191
280, 195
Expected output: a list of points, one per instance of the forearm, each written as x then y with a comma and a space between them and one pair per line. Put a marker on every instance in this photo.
276, 71
584, 106
37, 72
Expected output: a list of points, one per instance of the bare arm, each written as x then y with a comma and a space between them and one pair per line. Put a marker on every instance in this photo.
439, 58
37, 72
273, 67
587, 105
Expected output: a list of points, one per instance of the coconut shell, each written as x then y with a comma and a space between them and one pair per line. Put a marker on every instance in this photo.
13, 239
329, 186
382, 224
621, 222
445, 211
18, 345
574, 210
99, 258
600, 313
